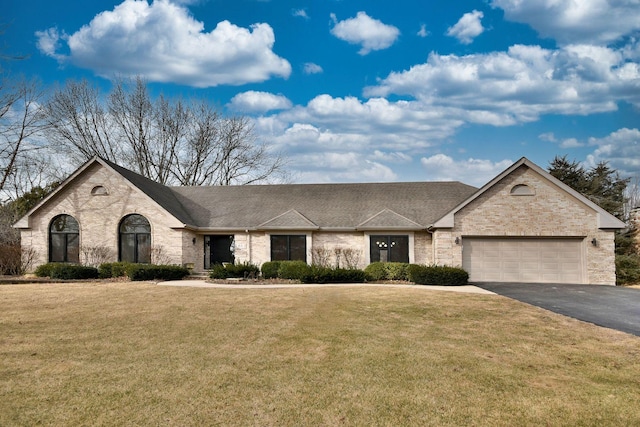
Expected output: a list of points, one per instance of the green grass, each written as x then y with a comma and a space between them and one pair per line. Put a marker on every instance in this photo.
140, 354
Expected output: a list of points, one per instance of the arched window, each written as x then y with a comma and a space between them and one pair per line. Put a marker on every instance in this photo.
135, 239
64, 239
522, 190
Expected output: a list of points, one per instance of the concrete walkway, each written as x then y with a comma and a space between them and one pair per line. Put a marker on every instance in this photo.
203, 284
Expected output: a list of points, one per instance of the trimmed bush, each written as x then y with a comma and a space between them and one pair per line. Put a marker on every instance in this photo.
218, 272
138, 272
333, 275
437, 275
244, 270
270, 269
387, 271
57, 270
627, 269
293, 270
44, 270
112, 269
376, 271
397, 270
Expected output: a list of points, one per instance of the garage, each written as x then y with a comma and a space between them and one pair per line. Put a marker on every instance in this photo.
528, 260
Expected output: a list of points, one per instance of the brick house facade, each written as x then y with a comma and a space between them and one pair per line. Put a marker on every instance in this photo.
524, 225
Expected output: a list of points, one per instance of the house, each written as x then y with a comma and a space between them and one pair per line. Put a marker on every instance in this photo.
524, 225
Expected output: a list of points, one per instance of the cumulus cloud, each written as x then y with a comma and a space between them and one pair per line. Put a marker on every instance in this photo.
363, 30
585, 21
311, 68
620, 148
468, 27
164, 43
505, 88
258, 102
471, 171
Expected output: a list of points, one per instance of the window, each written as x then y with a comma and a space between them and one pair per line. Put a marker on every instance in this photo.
64, 239
135, 239
522, 190
288, 248
99, 190
389, 248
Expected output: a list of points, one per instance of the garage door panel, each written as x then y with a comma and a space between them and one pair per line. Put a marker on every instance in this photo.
523, 260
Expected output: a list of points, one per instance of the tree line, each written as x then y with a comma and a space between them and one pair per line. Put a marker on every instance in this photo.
171, 141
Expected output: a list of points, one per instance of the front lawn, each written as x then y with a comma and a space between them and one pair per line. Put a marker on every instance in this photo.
141, 354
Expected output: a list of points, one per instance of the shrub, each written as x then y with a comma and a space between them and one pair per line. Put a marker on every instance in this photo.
73, 272
56, 270
218, 272
437, 275
627, 269
244, 270
156, 272
270, 269
333, 275
376, 271
44, 270
387, 271
112, 269
293, 270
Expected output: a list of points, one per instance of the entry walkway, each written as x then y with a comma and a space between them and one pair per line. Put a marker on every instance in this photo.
243, 285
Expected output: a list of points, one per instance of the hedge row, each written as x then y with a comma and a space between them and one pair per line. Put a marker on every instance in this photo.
333, 275
387, 271
627, 269
288, 270
437, 275
243, 271
56, 270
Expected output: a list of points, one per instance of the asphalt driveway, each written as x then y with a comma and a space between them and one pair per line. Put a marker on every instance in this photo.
609, 306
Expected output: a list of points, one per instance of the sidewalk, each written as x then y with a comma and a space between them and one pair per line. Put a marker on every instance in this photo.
470, 289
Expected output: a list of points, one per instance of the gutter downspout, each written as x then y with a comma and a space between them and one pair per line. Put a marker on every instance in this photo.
433, 245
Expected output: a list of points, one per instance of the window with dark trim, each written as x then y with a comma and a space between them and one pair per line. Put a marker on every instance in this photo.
289, 247
64, 239
389, 248
135, 239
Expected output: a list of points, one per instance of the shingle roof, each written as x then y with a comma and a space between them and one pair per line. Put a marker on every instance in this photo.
161, 194
338, 206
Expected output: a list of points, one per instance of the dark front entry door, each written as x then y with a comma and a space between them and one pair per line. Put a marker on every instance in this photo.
218, 250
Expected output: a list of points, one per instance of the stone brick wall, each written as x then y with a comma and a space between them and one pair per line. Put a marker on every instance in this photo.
549, 212
99, 216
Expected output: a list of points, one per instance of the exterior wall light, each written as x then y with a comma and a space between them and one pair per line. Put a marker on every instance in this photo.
194, 240
457, 240
594, 242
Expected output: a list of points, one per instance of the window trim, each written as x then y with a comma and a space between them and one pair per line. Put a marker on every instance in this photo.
136, 235
409, 234
307, 243
66, 235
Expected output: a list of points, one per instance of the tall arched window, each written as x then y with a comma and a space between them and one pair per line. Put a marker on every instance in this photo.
135, 239
64, 239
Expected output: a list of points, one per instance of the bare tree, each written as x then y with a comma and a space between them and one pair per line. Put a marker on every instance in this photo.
21, 120
80, 126
169, 141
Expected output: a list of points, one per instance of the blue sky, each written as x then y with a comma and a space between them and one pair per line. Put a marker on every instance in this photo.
402, 90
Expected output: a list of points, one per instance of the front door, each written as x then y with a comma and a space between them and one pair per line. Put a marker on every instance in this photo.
218, 250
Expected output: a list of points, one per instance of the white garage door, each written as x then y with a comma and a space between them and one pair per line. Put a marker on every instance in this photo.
523, 260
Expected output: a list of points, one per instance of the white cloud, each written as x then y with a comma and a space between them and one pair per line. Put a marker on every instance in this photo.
584, 21
49, 42
571, 143
422, 32
468, 27
311, 68
258, 102
505, 88
370, 33
302, 13
620, 148
478, 172
164, 43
